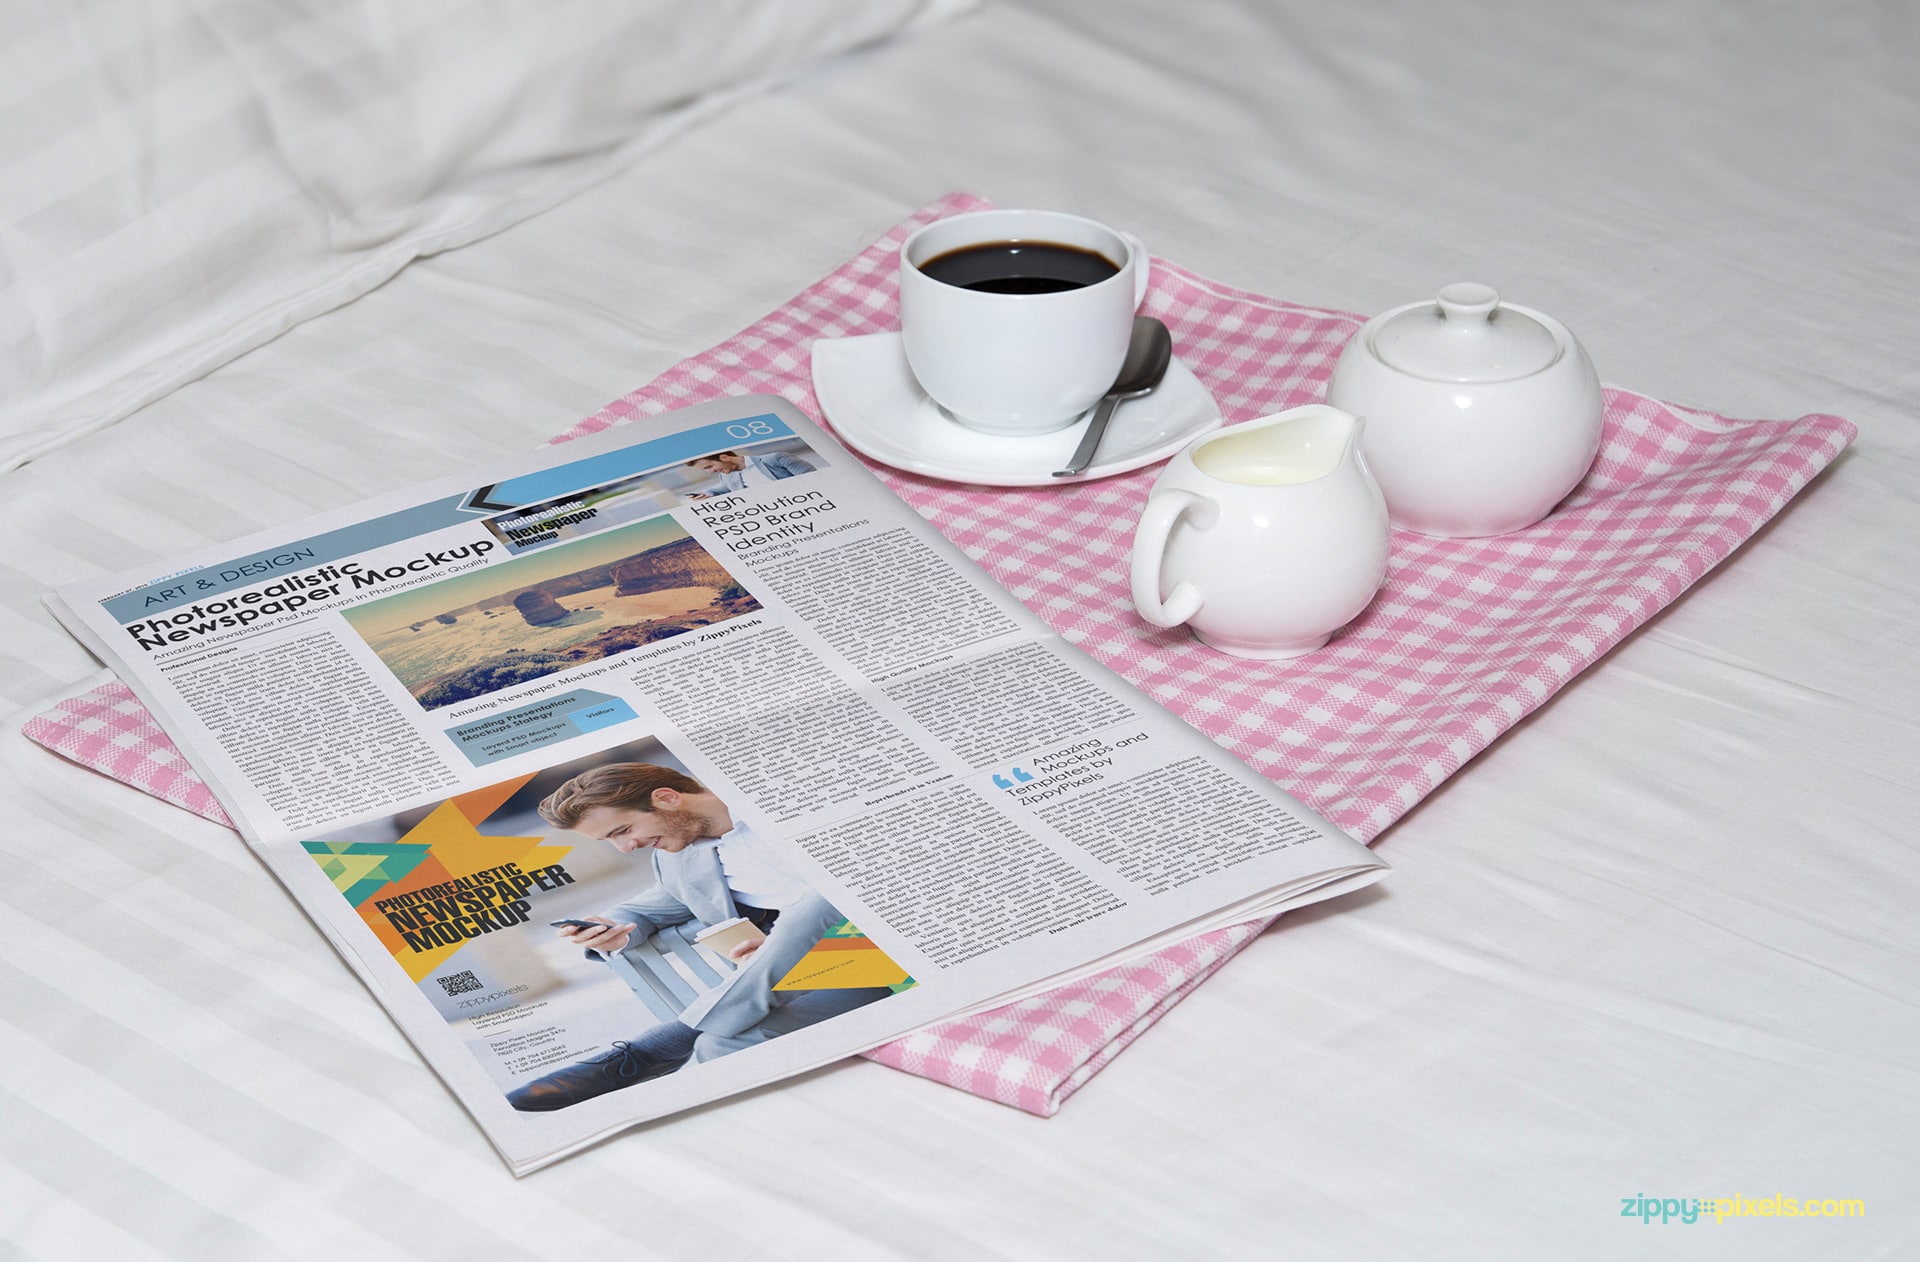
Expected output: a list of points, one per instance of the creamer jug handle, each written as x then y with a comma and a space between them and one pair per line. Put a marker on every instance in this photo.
1164, 508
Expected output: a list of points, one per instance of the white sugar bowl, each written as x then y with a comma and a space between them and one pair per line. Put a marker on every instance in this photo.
1481, 415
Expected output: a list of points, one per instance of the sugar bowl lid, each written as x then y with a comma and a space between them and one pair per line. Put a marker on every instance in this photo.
1465, 335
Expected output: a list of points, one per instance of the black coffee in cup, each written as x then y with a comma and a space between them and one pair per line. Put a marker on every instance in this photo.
1020, 267
981, 290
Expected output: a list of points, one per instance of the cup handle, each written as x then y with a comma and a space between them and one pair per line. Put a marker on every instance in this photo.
1142, 266
1164, 508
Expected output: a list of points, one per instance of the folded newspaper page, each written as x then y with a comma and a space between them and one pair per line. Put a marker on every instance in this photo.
684, 758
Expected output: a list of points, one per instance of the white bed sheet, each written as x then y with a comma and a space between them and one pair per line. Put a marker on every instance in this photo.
1658, 940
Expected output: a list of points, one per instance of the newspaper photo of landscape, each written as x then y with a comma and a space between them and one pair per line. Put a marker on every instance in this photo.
468, 636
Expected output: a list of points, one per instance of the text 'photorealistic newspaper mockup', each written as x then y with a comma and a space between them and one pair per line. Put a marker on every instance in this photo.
680, 759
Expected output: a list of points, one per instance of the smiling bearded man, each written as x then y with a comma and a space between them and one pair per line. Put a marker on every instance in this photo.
707, 869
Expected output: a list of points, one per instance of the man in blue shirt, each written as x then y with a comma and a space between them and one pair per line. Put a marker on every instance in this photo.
739, 473
707, 869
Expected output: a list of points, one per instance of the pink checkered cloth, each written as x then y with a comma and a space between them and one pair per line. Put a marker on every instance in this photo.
1468, 636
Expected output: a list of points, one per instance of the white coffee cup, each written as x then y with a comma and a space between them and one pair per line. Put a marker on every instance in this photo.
1018, 363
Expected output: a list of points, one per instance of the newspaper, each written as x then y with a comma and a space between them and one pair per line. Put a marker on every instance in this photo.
677, 760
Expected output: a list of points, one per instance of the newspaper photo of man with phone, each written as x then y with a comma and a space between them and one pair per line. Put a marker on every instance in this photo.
708, 873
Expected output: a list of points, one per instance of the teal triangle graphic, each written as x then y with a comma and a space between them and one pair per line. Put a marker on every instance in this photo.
392, 861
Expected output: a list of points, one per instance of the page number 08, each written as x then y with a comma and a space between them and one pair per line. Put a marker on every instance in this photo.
750, 429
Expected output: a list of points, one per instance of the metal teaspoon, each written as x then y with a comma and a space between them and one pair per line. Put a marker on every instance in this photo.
1149, 351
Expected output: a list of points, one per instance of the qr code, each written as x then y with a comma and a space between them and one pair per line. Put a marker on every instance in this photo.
458, 983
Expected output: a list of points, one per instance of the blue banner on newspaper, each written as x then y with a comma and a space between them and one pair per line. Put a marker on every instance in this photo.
545, 722
296, 562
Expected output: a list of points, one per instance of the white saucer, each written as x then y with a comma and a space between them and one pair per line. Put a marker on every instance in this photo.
876, 407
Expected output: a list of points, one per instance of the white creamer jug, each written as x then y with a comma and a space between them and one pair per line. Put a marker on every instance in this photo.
1265, 537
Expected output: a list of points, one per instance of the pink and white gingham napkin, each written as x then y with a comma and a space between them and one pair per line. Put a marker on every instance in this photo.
1468, 636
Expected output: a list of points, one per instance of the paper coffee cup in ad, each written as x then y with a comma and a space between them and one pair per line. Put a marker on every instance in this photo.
728, 934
